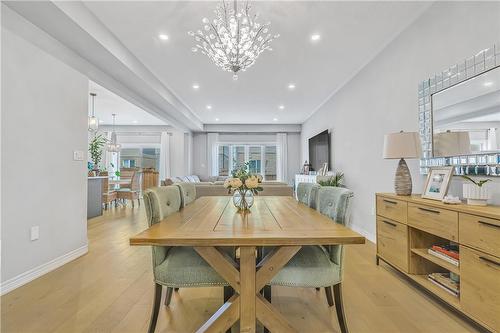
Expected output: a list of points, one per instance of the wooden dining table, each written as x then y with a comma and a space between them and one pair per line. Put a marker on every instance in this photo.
213, 222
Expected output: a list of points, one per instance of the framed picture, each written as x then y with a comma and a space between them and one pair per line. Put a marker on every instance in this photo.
437, 183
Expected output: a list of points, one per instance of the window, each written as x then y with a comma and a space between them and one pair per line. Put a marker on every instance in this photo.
262, 159
270, 163
223, 160
254, 159
238, 156
140, 158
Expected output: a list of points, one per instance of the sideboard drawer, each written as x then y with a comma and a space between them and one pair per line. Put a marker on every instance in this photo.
440, 222
392, 209
480, 286
480, 233
392, 242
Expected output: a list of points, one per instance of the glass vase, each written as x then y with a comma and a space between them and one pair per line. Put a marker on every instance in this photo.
243, 200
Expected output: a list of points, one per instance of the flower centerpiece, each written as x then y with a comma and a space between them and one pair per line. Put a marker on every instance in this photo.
244, 185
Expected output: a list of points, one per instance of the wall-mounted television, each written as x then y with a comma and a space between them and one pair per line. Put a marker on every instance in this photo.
319, 150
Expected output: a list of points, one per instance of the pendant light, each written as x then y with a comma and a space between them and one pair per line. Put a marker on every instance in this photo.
93, 122
113, 146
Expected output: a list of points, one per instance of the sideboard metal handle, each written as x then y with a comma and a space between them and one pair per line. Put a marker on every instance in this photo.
489, 224
429, 210
391, 202
488, 260
390, 223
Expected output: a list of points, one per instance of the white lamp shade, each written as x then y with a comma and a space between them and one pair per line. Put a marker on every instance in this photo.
402, 145
93, 123
451, 144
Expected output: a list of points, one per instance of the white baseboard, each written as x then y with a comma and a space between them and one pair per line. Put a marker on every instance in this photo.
363, 233
23, 278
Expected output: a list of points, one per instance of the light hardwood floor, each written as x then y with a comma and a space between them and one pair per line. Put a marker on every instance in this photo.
110, 290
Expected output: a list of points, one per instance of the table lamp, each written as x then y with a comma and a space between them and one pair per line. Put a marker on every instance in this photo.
451, 144
402, 145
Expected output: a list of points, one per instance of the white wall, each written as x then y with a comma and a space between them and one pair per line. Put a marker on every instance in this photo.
44, 119
200, 158
382, 97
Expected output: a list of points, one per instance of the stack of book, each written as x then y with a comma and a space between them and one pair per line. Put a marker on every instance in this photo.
448, 253
444, 281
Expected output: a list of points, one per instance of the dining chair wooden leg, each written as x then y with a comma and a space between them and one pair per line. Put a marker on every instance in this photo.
329, 296
228, 293
132, 203
168, 296
156, 308
268, 296
139, 202
339, 307
318, 289
176, 289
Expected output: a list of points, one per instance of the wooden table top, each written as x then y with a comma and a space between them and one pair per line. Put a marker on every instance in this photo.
276, 221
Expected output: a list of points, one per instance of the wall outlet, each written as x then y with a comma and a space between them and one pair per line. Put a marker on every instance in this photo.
78, 155
35, 233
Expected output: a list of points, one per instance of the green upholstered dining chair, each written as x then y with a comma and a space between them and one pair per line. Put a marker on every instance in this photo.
318, 266
307, 193
188, 193
174, 267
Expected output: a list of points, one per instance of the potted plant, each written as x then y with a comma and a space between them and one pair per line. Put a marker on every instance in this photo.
244, 185
95, 149
335, 181
476, 193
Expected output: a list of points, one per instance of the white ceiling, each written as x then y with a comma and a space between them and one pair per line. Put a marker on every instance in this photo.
107, 103
352, 33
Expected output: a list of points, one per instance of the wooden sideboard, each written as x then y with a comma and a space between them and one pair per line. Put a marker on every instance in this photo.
408, 225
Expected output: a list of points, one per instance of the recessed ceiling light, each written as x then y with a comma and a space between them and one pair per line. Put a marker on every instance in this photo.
134, 121
209, 107
315, 37
275, 119
291, 86
163, 37
196, 86
282, 107
216, 119
488, 84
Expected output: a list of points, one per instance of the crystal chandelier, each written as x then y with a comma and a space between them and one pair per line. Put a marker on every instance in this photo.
234, 39
93, 122
113, 146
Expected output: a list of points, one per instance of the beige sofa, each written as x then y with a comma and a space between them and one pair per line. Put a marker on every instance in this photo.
215, 186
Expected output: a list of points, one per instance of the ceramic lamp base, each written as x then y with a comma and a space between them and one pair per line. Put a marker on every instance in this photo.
402, 183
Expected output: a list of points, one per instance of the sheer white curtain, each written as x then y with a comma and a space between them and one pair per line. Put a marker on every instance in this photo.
282, 158
164, 155
212, 139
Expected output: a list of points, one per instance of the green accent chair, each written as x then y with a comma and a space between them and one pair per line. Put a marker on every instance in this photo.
188, 193
307, 193
318, 266
174, 267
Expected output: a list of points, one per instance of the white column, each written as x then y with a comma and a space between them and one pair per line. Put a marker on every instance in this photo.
164, 155
281, 157
212, 139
